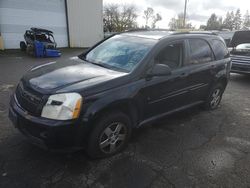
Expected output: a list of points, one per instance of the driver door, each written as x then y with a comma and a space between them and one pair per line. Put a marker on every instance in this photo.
166, 93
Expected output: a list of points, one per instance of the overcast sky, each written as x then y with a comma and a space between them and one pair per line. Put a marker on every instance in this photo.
198, 10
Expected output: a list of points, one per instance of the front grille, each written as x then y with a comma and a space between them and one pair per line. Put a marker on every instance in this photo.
240, 63
239, 59
29, 100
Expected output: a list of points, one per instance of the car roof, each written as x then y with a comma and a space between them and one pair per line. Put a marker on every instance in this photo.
148, 34
40, 30
160, 34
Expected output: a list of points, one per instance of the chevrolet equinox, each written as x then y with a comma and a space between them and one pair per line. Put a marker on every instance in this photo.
93, 101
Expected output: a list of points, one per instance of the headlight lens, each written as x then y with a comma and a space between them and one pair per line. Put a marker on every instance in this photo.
63, 106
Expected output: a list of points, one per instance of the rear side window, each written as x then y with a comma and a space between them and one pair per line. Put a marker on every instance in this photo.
220, 50
200, 51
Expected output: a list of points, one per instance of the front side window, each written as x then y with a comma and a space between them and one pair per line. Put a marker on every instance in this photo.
120, 52
200, 51
171, 55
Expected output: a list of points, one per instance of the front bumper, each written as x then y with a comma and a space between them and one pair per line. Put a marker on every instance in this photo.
46, 133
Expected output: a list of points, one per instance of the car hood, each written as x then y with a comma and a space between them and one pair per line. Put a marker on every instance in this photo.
64, 73
240, 37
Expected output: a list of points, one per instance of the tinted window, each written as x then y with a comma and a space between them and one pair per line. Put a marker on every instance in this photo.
220, 50
171, 55
200, 51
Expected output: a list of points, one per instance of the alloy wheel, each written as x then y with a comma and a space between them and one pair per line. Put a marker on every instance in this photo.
113, 137
215, 98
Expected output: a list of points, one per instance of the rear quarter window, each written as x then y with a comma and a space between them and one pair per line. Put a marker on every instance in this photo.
220, 49
200, 51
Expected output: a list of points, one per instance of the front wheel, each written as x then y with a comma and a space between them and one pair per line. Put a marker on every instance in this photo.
23, 46
110, 135
214, 98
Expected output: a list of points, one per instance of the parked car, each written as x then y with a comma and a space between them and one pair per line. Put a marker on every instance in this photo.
40, 43
126, 81
240, 53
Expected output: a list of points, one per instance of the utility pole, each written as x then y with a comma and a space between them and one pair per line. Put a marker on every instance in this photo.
185, 13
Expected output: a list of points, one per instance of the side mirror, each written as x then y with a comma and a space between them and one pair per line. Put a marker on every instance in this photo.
160, 70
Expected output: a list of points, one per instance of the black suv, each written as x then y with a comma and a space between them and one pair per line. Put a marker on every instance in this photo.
93, 101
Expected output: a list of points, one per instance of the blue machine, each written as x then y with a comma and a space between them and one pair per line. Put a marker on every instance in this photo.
41, 51
40, 43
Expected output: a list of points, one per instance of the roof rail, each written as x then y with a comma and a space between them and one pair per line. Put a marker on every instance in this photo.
145, 29
134, 30
195, 32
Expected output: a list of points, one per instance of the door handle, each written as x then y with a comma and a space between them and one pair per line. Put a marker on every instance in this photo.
183, 75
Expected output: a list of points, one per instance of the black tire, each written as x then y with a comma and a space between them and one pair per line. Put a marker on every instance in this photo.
44, 53
214, 98
23, 46
105, 133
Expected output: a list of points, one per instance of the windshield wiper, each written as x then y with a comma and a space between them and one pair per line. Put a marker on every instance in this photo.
100, 65
106, 66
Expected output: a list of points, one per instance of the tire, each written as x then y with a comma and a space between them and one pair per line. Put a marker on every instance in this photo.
110, 135
23, 46
214, 98
44, 53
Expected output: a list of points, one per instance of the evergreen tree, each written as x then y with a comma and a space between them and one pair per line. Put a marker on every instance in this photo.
246, 22
228, 21
232, 20
237, 20
213, 23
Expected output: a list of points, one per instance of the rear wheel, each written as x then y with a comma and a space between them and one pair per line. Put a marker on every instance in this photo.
44, 53
214, 98
110, 135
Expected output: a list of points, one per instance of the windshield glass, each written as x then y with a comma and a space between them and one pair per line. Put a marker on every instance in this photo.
120, 52
245, 46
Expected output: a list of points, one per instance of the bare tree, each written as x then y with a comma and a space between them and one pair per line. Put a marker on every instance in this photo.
148, 14
109, 14
177, 23
156, 18
117, 18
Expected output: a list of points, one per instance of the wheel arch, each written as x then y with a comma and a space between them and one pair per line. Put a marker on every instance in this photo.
126, 106
222, 80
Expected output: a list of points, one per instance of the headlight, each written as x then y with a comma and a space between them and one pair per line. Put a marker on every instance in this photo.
63, 106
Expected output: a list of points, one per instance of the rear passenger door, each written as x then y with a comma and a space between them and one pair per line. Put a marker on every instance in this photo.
201, 68
222, 65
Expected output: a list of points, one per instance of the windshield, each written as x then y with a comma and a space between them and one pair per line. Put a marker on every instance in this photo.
120, 52
245, 46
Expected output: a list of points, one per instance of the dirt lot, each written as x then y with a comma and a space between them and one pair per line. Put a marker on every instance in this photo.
194, 148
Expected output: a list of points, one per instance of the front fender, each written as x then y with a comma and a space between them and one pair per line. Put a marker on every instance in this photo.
128, 95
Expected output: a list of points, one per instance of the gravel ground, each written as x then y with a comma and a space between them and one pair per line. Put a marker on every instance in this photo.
193, 148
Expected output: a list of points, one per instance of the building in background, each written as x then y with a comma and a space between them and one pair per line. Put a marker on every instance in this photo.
75, 23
